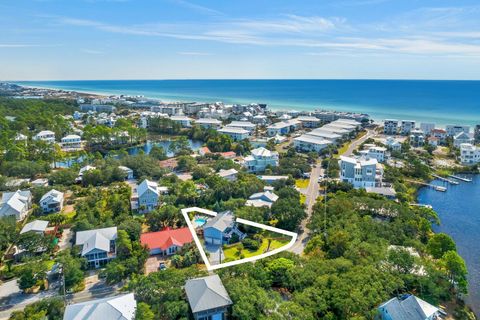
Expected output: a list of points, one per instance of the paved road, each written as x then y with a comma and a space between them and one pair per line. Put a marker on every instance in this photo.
356, 143
311, 196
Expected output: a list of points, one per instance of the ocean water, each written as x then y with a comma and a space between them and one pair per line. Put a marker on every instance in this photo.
442, 102
459, 212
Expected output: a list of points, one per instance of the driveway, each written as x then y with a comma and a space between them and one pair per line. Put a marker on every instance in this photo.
64, 242
152, 263
214, 252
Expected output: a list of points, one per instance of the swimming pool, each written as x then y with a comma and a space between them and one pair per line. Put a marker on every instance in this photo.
200, 221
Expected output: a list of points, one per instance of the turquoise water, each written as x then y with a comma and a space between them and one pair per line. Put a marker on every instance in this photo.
442, 102
459, 212
200, 222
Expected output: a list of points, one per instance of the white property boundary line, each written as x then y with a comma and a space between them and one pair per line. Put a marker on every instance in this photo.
185, 213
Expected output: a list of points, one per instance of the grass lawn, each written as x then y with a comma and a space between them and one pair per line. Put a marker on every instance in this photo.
302, 183
303, 198
231, 251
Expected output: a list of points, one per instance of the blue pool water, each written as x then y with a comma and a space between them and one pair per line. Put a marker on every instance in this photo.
442, 102
459, 212
200, 222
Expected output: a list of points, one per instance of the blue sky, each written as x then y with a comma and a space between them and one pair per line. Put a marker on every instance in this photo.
183, 39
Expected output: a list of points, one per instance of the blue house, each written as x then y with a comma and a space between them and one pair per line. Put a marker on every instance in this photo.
408, 307
220, 229
208, 298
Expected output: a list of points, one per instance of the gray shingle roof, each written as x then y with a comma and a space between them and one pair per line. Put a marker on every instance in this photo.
410, 308
221, 221
206, 293
111, 308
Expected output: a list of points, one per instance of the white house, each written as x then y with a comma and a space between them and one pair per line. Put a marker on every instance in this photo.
440, 134
334, 137
236, 134
52, 201
242, 124
407, 126
128, 171
45, 135
208, 123
83, 170
71, 141
230, 174
36, 226
309, 143
427, 127
360, 172
453, 130
393, 144
417, 137
97, 246
390, 126
469, 154
16, 204
309, 122
262, 199
260, 159
283, 127
184, 121
120, 307
148, 196
375, 152
462, 137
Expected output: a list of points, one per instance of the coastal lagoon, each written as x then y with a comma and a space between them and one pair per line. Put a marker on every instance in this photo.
442, 102
459, 212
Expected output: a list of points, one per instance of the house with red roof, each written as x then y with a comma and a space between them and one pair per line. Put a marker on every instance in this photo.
166, 242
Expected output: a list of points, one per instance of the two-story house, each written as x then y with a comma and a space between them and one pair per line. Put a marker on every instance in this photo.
148, 196
52, 201
462, 137
97, 246
45, 135
408, 307
469, 154
16, 204
220, 229
208, 298
71, 141
237, 134
260, 159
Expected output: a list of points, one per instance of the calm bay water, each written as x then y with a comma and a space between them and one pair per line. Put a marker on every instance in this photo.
442, 102
459, 212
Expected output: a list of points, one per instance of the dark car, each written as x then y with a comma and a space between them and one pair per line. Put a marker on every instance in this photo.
162, 266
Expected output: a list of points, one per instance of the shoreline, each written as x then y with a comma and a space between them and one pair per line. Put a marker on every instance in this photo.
376, 113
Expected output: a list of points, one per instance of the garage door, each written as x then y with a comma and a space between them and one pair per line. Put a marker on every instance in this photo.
155, 251
213, 240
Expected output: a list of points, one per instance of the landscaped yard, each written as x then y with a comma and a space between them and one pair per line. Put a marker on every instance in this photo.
231, 251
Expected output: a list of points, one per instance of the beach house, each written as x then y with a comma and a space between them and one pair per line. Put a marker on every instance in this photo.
16, 204
148, 196
309, 143
283, 127
128, 172
166, 242
462, 137
121, 307
309, 122
243, 125
469, 154
52, 201
71, 141
36, 226
209, 123
408, 307
260, 159
393, 144
220, 229
45, 135
452, 130
97, 246
262, 199
237, 134
374, 152
230, 174
184, 121
208, 298
360, 172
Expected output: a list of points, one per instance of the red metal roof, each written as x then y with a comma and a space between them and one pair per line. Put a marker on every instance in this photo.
166, 238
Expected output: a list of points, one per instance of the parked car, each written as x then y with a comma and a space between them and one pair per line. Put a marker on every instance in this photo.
162, 266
